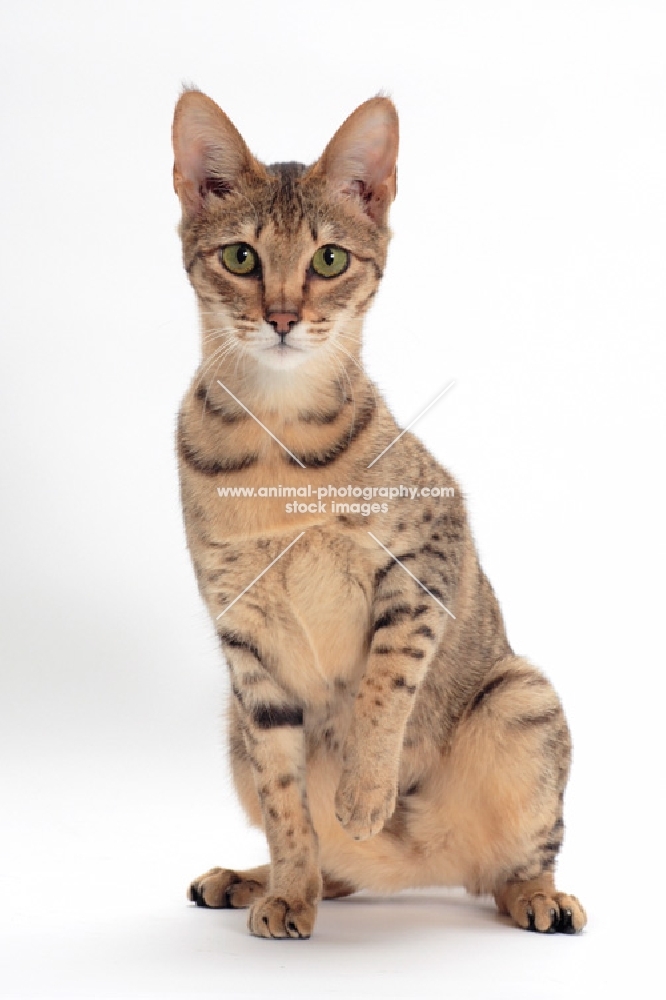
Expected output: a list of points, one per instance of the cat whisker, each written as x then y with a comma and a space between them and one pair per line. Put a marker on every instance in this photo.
218, 357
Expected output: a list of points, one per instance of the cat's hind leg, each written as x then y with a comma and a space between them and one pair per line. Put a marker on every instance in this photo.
505, 780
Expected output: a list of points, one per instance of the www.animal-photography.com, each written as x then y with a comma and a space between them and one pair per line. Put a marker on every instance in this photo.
331, 591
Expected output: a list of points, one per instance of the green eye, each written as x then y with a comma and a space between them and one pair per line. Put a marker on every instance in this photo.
329, 261
239, 258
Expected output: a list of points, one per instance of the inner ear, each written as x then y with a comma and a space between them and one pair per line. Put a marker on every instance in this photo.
360, 160
209, 152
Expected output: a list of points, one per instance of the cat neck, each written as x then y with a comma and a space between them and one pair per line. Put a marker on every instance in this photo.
231, 376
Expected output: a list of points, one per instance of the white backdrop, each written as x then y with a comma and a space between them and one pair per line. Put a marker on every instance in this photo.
527, 263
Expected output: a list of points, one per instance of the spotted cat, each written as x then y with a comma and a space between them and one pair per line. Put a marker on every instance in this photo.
382, 731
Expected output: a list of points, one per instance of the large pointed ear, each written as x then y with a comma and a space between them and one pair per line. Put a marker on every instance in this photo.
209, 152
360, 159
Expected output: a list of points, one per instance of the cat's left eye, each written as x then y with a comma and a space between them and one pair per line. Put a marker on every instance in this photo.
330, 261
239, 258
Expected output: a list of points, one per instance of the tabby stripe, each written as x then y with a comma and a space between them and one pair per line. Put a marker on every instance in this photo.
413, 652
320, 459
321, 418
236, 641
527, 721
492, 685
382, 571
208, 467
373, 263
219, 412
424, 630
391, 617
272, 716
526, 872
190, 264
385, 570
435, 552
543, 861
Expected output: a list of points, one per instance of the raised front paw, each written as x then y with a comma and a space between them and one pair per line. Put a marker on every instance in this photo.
365, 799
276, 917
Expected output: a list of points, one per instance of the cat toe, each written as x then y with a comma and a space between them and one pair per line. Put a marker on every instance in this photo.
275, 917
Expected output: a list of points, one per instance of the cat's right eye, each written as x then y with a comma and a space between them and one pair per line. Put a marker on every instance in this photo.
239, 258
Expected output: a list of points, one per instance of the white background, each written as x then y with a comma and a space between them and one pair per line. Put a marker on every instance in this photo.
527, 263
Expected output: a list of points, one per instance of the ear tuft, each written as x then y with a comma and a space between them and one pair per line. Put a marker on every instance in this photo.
209, 152
360, 160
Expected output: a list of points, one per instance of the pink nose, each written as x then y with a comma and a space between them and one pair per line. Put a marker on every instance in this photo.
282, 322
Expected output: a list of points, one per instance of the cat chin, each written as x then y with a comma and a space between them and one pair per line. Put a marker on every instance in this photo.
281, 359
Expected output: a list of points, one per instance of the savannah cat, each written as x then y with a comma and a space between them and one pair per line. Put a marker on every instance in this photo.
382, 732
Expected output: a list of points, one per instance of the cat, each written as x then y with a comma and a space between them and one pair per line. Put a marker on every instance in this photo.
382, 732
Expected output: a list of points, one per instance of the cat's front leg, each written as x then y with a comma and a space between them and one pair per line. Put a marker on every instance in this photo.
272, 724
407, 626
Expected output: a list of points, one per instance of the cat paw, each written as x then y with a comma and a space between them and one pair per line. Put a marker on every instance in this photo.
549, 912
222, 888
275, 917
363, 803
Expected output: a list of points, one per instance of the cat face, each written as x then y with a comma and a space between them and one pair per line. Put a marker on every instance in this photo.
284, 259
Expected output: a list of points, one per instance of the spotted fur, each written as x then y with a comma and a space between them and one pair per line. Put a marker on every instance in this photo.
382, 735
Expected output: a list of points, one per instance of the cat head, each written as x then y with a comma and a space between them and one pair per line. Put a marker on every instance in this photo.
285, 259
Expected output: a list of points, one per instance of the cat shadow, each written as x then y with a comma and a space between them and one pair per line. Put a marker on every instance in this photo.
412, 912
